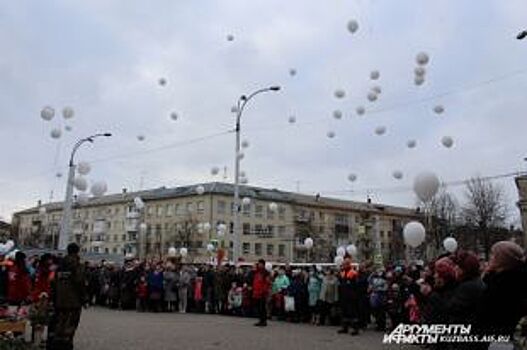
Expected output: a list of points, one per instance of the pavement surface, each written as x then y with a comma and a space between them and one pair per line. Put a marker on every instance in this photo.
103, 329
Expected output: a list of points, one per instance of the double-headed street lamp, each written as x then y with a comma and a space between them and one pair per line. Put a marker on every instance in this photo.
240, 106
65, 224
522, 35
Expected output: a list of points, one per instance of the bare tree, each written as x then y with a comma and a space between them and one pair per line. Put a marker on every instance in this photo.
485, 208
444, 211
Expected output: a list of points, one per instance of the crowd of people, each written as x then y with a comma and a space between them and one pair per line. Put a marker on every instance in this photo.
455, 288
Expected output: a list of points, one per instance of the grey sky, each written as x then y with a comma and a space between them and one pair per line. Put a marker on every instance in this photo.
104, 59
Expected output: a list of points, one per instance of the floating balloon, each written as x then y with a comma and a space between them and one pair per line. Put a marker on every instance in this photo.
241, 155
374, 75
98, 188
210, 247
422, 58
352, 177
200, 190
380, 130
351, 250
360, 110
246, 200
353, 26
174, 116
447, 141
56, 133
83, 168
377, 89
341, 251
245, 144
337, 114
292, 72
82, 198
162, 81
414, 234
273, 206
268, 266
439, 109
206, 226
138, 202
68, 113
411, 143
68, 128
419, 71
338, 260
221, 228
183, 252
80, 183
230, 37
308, 243
450, 244
331, 134
419, 80
59, 174
372, 96
200, 228
47, 113
141, 137
215, 170
397, 174
340, 93
426, 185
143, 227
172, 252
42, 210
292, 119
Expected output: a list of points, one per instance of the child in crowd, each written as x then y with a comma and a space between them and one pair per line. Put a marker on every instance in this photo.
142, 294
235, 298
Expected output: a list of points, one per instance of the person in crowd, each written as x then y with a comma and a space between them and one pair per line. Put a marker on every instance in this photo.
314, 285
349, 298
4, 267
114, 291
280, 284
170, 287
208, 287
247, 303
43, 277
19, 285
378, 286
504, 300
261, 288
39, 314
329, 295
198, 292
129, 275
69, 295
235, 299
141, 292
184, 285
364, 300
155, 288
395, 305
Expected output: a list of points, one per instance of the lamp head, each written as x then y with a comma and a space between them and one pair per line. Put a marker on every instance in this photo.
522, 35
107, 134
275, 88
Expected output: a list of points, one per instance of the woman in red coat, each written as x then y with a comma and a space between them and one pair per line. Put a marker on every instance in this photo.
19, 284
43, 278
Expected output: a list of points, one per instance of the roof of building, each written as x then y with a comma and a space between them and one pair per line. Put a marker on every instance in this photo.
245, 191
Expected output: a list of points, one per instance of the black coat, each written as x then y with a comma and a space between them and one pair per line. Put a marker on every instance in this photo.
349, 297
504, 301
463, 305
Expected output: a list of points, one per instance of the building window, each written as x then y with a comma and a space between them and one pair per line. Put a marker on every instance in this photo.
258, 249
246, 248
177, 209
106, 250
281, 230
281, 250
389, 234
233, 208
270, 230
150, 210
246, 209
231, 228
115, 238
258, 211
114, 250
281, 212
270, 214
124, 237
258, 229
222, 205
246, 228
382, 234
270, 249
170, 209
190, 207
201, 207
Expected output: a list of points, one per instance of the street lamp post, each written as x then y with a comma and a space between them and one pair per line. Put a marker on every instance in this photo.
240, 106
522, 35
65, 224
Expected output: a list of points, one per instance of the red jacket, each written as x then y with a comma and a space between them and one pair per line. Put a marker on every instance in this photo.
142, 290
19, 285
261, 284
42, 284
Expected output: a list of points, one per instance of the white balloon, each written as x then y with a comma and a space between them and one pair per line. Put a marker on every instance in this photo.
372, 96
68, 128
414, 234
341, 251
351, 249
83, 168
98, 188
331, 134
230, 37
426, 185
292, 119
340, 93
450, 244
422, 58
206, 226
42, 210
411, 143
143, 227
374, 75
380, 130
246, 201
353, 26
215, 170
68, 112
9, 244
59, 174
337, 114
210, 247
200, 190
439, 109
172, 252
360, 110
183, 251
82, 198
138, 202
397, 174
377, 89
419, 80
308, 243
174, 116
273, 206
47, 113
352, 177
268, 266
162, 81
420, 71
141, 137
338, 260
80, 183
56, 133
447, 141
245, 144
292, 72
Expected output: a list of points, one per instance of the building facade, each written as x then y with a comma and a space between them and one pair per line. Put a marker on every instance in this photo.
521, 184
180, 217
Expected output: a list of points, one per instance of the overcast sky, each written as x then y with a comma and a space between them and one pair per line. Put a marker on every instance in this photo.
104, 58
